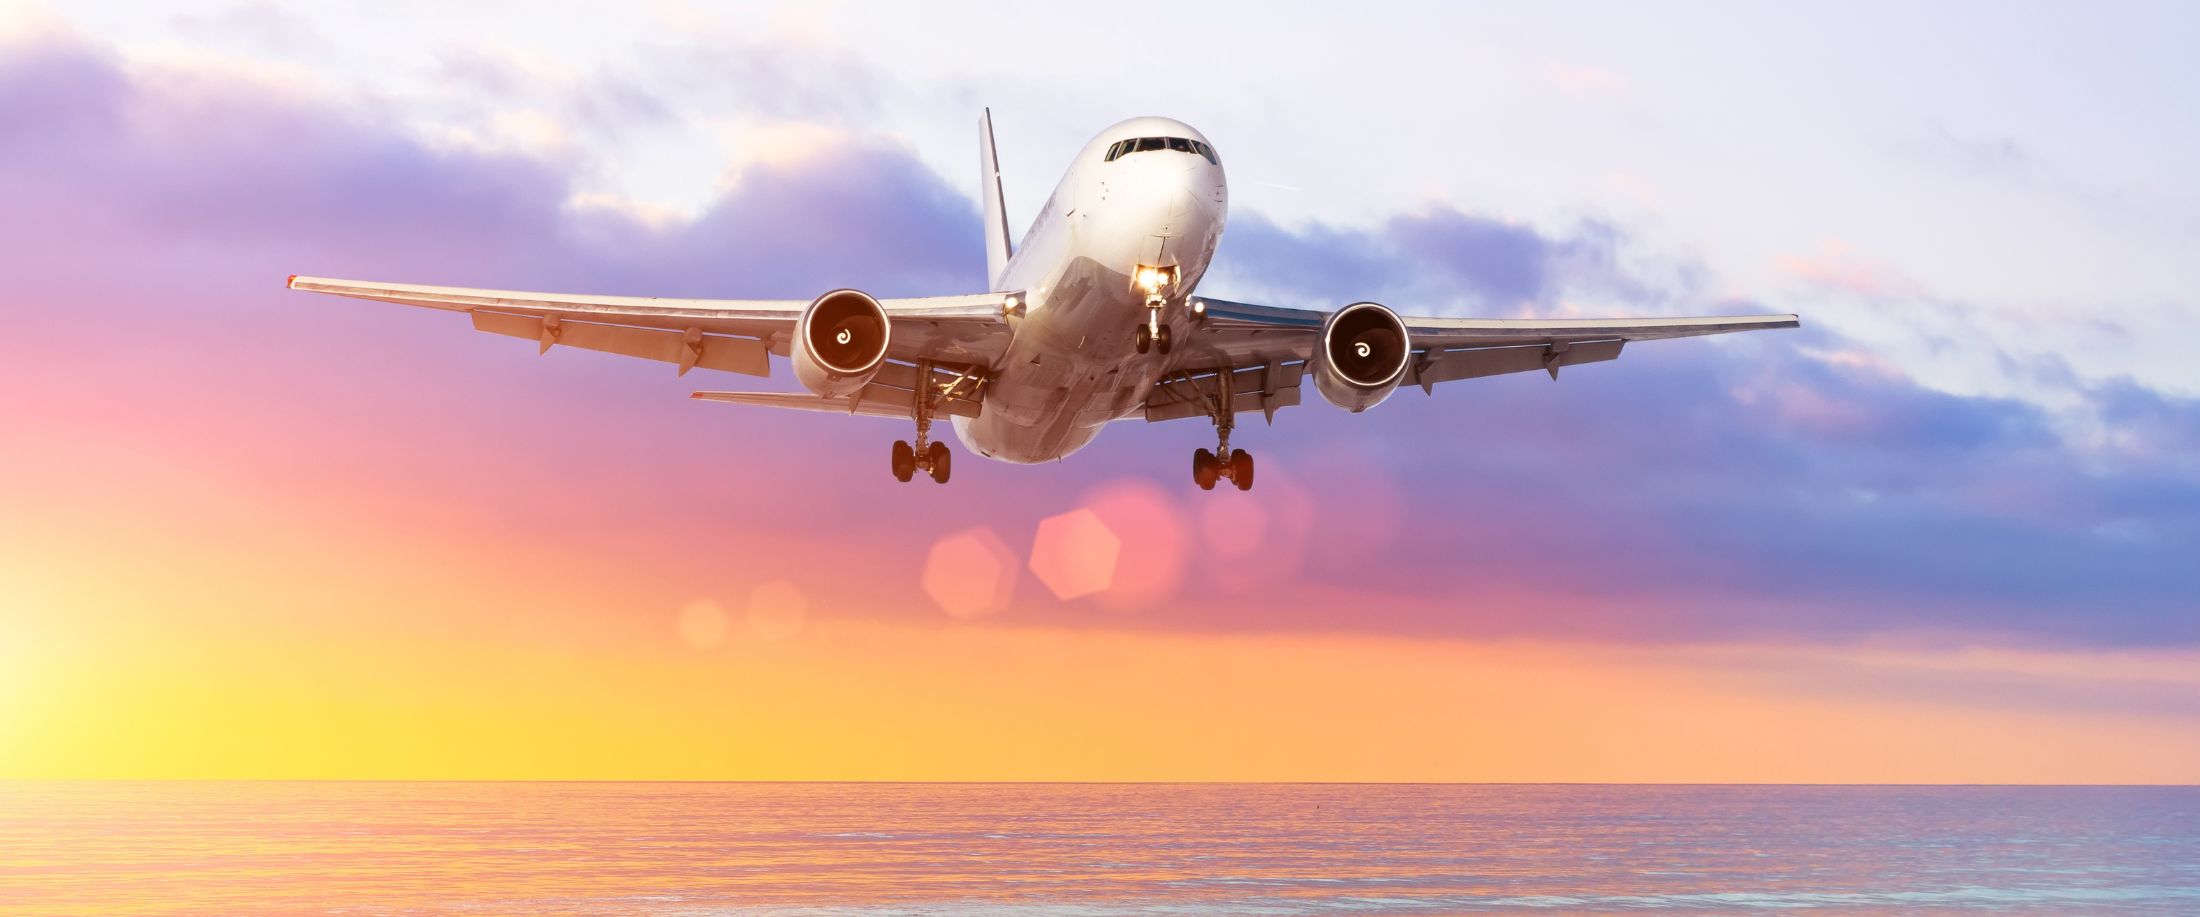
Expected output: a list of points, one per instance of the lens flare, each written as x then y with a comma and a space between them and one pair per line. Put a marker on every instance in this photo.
970, 573
1075, 554
1155, 538
702, 624
777, 611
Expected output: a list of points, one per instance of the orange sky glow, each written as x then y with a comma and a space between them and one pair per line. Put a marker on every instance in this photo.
251, 533
233, 651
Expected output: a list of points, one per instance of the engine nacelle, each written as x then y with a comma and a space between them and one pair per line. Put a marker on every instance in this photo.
839, 343
1361, 356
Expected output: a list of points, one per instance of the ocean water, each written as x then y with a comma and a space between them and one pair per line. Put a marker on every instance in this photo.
1067, 849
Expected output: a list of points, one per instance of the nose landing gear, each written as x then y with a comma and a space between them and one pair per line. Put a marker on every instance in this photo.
1152, 281
1153, 333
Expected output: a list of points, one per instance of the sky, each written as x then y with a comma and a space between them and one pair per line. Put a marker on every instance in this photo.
1946, 532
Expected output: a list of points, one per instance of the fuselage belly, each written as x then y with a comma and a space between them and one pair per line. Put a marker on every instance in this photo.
1073, 365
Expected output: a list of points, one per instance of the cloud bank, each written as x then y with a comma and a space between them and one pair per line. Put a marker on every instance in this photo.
1786, 486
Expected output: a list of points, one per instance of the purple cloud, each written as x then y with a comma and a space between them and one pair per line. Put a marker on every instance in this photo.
1694, 489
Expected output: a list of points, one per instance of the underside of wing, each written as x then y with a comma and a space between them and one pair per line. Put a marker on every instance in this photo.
892, 393
1498, 332
729, 334
1254, 356
1245, 334
804, 401
1204, 393
1232, 322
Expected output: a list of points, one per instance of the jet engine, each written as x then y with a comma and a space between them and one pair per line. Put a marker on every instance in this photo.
1361, 356
839, 343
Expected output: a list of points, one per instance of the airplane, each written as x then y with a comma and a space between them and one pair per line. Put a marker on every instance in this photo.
1093, 318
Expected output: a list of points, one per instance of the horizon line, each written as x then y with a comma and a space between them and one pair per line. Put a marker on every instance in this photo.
859, 782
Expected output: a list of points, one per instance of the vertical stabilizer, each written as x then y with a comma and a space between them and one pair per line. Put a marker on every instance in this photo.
996, 215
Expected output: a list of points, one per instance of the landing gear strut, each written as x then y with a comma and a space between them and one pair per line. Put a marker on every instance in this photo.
932, 458
1152, 281
1236, 465
926, 455
1153, 333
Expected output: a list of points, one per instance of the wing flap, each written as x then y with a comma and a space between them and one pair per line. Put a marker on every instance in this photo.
687, 350
1254, 388
967, 329
1469, 332
1241, 403
1449, 349
1452, 365
734, 315
875, 401
891, 393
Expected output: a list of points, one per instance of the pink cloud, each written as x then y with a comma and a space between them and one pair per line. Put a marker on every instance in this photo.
1585, 80
1673, 494
1837, 266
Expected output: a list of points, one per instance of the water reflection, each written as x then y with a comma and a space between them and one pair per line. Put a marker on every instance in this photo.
591, 848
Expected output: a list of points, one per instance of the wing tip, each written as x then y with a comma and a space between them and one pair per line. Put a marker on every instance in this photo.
292, 283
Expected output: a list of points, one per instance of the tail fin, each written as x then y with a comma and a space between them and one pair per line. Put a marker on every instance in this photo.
997, 247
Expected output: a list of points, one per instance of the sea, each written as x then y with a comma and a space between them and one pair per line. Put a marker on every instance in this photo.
1091, 850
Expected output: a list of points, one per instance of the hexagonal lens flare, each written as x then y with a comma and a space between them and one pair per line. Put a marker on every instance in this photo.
1075, 554
703, 624
970, 573
1156, 538
777, 610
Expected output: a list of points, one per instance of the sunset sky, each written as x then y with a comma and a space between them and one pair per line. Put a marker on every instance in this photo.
1949, 531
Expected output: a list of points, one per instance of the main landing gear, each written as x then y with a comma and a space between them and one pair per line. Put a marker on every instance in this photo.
1225, 463
1208, 467
926, 455
932, 458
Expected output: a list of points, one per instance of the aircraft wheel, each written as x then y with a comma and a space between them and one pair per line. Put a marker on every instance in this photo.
1241, 469
940, 460
1161, 339
905, 461
1205, 469
1143, 339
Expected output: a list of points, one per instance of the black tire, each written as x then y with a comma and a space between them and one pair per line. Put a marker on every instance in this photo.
1161, 339
1241, 469
941, 461
1204, 469
905, 461
1142, 339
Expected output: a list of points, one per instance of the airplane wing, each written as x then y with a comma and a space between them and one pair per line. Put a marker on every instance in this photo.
891, 393
734, 335
1257, 354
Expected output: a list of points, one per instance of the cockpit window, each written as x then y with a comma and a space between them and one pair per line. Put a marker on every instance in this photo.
1122, 148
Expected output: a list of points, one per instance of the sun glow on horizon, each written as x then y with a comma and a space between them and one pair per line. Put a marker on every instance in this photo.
1941, 534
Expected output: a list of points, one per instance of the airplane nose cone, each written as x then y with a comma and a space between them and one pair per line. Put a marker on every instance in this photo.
1175, 195
1183, 192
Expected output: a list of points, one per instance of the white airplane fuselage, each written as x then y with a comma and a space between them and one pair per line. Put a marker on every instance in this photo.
1073, 364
